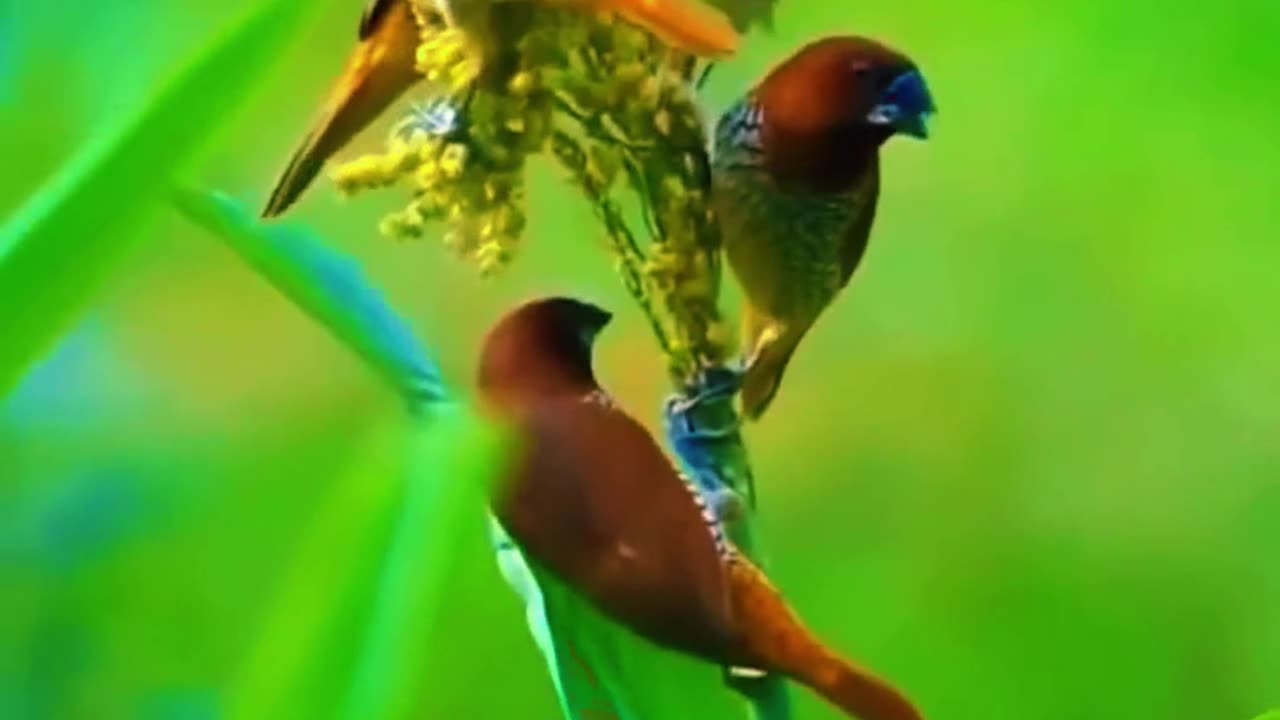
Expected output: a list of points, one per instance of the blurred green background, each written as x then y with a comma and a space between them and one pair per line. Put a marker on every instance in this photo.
1029, 466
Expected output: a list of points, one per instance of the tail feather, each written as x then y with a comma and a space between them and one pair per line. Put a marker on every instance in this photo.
863, 695
382, 69
776, 640
688, 25
763, 375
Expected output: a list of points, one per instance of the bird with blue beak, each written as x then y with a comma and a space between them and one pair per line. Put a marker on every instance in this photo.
796, 178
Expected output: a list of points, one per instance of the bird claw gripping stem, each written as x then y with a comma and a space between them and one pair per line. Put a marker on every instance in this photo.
440, 117
711, 384
704, 430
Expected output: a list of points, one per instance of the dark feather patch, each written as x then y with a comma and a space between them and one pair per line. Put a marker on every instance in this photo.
374, 12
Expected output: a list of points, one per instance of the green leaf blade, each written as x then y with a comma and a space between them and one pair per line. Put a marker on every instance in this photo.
58, 248
329, 287
449, 464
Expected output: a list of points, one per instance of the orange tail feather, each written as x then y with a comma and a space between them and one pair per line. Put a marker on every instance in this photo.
382, 69
688, 25
776, 640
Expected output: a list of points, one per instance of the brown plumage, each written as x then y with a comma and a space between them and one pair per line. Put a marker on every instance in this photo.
380, 70
592, 498
796, 182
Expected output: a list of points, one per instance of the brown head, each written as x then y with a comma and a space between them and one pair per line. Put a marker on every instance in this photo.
541, 349
818, 118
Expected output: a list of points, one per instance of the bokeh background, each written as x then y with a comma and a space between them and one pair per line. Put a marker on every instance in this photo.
1029, 466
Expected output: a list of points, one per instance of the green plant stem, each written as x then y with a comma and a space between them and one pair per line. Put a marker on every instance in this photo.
702, 422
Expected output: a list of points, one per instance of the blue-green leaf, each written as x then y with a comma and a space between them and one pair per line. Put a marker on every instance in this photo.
402, 509
449, 464
329, 287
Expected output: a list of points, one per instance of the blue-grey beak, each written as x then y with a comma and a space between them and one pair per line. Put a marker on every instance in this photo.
906, 106
594, 322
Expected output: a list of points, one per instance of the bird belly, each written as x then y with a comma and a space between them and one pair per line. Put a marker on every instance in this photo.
784, 247
624, 533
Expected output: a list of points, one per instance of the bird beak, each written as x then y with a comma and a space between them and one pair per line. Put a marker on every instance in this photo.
601, 319
596, 321
906, 106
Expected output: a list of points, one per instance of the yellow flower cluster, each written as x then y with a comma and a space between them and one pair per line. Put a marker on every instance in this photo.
443, 57
634, 103
465, 171
630, 107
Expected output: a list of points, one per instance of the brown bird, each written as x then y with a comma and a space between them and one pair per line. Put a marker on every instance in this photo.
796, 170
591, 498
383, 65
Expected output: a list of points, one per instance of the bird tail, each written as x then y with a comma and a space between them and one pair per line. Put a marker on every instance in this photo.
688, 25
771, 348
382, 68
776, 639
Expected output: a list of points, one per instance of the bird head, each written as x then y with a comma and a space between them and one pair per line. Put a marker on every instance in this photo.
820, 115
892, 94
541, 349
852, 83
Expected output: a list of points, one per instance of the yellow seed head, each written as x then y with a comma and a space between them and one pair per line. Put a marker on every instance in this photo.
523, 83
428, 174
453, 160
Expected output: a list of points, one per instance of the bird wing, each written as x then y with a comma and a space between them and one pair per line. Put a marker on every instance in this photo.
375, 11
596, 502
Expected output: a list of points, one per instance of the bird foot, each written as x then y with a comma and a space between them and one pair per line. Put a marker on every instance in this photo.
711, 384
702, 432
438, 117
444, 116
727, 504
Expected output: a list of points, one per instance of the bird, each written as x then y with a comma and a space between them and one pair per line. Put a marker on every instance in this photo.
591, 498
383, 66
795, 183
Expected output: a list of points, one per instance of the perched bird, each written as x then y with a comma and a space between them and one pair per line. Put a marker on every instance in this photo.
383, 65
796, 177
591, 498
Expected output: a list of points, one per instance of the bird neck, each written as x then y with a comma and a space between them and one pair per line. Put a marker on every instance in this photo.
826, 161
531, 378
